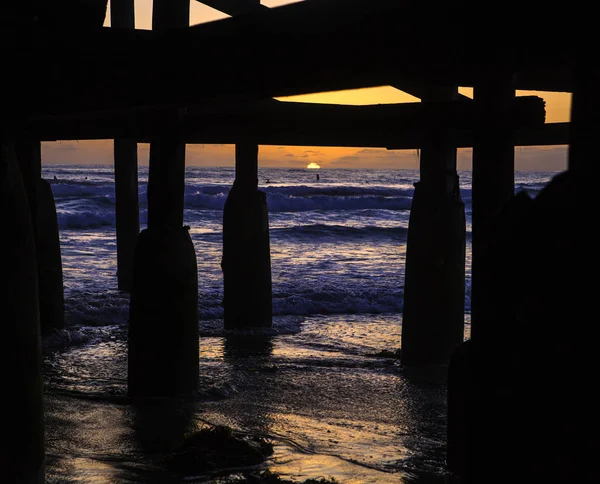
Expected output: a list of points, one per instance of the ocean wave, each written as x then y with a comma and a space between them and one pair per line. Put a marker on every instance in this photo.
90, 219
282, 325
86, 219
278, 202
91, 309
75, 336
338, 303
73, 189
325, 230
308, 190
338, 191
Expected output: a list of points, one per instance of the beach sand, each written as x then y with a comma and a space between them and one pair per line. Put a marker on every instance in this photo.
346, 414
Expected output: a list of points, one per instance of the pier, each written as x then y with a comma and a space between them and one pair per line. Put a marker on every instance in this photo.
215, 83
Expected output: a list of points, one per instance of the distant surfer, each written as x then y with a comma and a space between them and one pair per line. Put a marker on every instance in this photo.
267, 181
55, 179
318, 178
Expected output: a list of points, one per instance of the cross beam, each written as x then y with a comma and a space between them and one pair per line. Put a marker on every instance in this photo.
235, 7
287, 123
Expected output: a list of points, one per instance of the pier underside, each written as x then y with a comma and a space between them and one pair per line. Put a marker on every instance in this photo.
214, 83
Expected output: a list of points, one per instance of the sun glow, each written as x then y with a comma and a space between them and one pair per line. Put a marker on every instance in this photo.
313, 166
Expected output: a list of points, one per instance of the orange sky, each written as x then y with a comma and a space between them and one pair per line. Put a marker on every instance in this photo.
527, 158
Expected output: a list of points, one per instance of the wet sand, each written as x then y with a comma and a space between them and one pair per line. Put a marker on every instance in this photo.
360, 419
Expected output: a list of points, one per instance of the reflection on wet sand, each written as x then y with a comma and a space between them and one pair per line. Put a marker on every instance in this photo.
355, 417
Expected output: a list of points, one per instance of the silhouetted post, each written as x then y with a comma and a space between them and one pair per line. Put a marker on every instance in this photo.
22, 445
122, 15
127, 209
47, 239
163, 326
170, 14
555, 301
434, 287
493, 185
584, 118
480, 406
246, 248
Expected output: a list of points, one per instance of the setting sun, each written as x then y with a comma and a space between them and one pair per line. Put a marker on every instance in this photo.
313, 166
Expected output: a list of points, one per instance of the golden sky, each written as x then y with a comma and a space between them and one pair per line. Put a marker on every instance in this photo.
526, 158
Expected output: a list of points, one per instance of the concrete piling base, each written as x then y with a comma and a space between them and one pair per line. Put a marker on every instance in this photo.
163, 318
434, 289
246, 260
22, 443
50, 276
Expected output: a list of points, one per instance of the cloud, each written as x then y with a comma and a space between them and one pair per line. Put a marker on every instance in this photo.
379, 158
541, 158
68, 146
527, 158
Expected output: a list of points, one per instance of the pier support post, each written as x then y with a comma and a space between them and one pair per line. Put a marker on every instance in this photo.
127, 209
555, 301
122, 15
493, 186
22, 445
246, 260
480, 372
434, 288
163, 319
47, 238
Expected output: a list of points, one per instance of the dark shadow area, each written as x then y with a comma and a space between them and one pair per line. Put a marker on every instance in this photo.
160, 424
530, 398
238, 348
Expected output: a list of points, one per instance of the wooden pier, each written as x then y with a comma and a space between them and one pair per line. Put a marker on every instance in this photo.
69, 78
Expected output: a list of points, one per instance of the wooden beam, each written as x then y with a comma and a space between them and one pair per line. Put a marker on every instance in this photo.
422, 90
122, 14
544, 135
274, 120
401, 126
235, 7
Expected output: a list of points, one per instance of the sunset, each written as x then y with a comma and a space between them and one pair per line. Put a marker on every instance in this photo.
298, 242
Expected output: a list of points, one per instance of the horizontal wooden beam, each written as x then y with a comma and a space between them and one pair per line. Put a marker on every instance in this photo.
274, 122
545, 135
235, 7
549, 134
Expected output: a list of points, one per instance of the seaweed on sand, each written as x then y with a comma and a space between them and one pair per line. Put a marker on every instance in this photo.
218, 448
268, 477
396, 354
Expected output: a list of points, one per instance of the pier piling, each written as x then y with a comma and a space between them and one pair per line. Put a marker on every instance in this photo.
246, 260
127, 209
122, 15
493, 186
481, 402
163, 322
163, 319
434, 288
22, 445
46, 235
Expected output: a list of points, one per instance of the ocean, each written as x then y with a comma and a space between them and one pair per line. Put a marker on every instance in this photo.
322, 385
